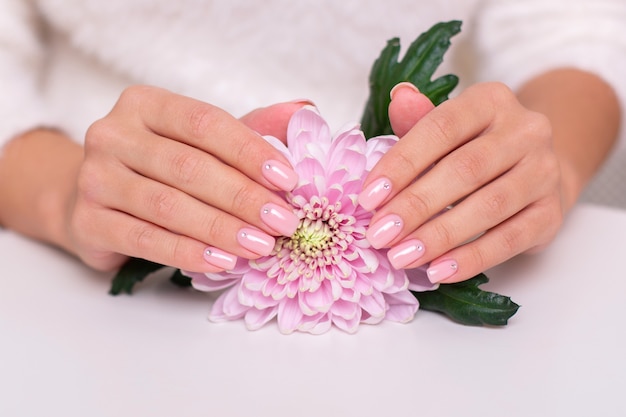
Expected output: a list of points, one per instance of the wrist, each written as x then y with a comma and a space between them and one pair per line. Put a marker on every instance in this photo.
38, 173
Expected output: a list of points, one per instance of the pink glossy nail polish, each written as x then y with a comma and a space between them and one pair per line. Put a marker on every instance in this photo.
256, 241
279, 174
375, 193
384, 230
405, 253
279, 219
442, 270
219, 258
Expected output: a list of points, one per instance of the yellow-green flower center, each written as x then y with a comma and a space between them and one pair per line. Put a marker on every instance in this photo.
311, 237
320, 240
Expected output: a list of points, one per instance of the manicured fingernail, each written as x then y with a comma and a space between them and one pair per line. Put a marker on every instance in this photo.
384, 230
304, 101
442, 270
219, 258
405, 253
279, 174
279, 219
400, 86
256, 241
375, 193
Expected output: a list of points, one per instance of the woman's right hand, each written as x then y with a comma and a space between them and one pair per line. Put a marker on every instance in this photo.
180, 182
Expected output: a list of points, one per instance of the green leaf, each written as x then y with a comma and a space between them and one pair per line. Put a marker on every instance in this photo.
467, 304
180, 280
132, 272
418, 65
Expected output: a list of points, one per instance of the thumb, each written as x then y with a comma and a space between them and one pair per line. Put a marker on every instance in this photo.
407, 107
273, 120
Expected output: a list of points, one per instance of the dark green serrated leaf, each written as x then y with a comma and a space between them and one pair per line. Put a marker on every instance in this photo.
132, 272
418, 65
180, 280
467, 304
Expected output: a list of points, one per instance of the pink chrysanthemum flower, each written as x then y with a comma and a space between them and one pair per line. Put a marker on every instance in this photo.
326, 273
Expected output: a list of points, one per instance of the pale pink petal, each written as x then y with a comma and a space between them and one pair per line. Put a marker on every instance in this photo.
352, 160
255, 319
307, 119
348, 326
226, 307
255, 299
289, 315
203, 283
314, 323
418, 279
374, 304
363, 285
278, 144
322, 325
376, 148
255, 280
344, 309
309, 168
402, 306
318, 301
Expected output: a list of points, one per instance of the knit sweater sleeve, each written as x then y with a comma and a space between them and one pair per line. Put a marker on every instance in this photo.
520, 39
21, 61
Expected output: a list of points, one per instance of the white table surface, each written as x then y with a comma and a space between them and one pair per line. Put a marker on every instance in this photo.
69, 349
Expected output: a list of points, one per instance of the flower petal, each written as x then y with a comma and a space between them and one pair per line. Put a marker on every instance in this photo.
255, 318
289, 315
402, 306
201, 282
374, 304
418, 279
306, 120
376, 148
227, 307
349, 326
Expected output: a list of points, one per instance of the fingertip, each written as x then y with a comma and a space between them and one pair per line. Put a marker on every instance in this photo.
274, 119
408, 105
402, 88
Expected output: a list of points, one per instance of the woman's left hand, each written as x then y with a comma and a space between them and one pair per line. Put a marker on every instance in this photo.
482, 155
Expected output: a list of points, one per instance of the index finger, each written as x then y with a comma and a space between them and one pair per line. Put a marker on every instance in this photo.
212, 130
438, 133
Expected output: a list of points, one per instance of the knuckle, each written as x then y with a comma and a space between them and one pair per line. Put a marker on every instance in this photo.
478, 258
497, 205
403, 162
538, 126
512, 240
133, 95
418, 204
201, 119
243, 199
187, 167
215, 228
89, 183
178, 252
143, 238
98, 135
500, 92
469, 166
443, 128
163, 204
444, 234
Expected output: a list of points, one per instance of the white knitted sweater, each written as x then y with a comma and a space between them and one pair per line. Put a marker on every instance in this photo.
64, 62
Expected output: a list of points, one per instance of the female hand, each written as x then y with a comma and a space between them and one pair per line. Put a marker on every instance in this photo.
182, 183
482, 154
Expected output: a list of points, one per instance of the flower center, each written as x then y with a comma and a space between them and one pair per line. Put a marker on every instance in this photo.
311, 237
321, 238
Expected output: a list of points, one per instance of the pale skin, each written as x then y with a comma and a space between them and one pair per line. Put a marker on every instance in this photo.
512, 163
